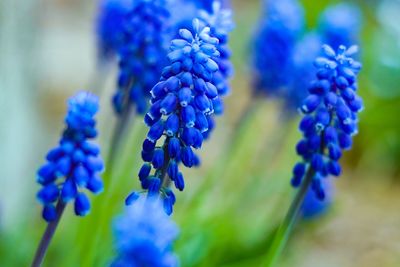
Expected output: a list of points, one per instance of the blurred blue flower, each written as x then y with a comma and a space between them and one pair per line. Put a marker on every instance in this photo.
273, 44
313, 207
303, 71
221, 24
207, 5
182, 105
142, 53
109, 26
144, 235
75, 163
330, 118
340, 25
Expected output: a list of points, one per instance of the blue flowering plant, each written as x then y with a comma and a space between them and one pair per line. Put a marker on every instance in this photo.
146, 30
273, 44
330, 119
144, 236
109, 26
75, 164
179, 117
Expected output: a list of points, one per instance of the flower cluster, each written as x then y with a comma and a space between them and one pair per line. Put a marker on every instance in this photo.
182, 105
286, 67
330, 118
281, 24
221, 24
312, 207
75, 163
144, 235
142, 54
109, 26
340, 25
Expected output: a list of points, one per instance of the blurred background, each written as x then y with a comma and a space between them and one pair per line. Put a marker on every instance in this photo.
234, 202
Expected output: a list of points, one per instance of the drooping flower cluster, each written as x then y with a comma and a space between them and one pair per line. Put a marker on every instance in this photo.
273, 44
289, 57
75, 163
142, 54
330, 119
144, 235
340, 25
109, 26
182, 105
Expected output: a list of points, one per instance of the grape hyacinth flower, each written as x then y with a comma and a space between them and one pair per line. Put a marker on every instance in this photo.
142, 54
313, 207
221, 24
340, 25
75, 163
330, 119
273, 44
144, 235
305, 52
182, 105
109, 26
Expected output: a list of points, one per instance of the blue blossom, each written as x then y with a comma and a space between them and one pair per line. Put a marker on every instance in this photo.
142, 54
182, 105
221, 24
340, 25
75, 163
109, 26
273, 44
302, 72
313, 207
330, 117
207, 5
144, 235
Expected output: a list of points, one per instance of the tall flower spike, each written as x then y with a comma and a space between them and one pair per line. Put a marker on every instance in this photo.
75, 163
182, 103
280, 25
340, 25
142, 54
330, 118
144, 235
109, 26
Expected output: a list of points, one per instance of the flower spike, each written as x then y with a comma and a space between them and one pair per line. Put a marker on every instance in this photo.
75, 163
330, 117
180, 114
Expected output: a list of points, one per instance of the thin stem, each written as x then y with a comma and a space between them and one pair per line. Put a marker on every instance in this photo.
47, 236
287, 225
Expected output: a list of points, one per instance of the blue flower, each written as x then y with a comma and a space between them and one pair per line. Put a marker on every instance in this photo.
109, 26
330, 117
208, 4
142, 54
75, 163
274, 41
221, 24
302, 72
340, 25
144, 235
182, 105
313, 207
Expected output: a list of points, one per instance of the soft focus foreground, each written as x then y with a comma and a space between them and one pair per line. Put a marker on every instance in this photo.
233, 204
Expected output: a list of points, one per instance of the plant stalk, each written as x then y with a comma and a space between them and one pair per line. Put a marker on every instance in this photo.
285, 229
47, 236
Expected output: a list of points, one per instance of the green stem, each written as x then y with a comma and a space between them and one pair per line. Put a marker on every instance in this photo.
287, 225
47, 236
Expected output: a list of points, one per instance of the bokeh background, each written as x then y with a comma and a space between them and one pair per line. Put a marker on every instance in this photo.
234, 202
